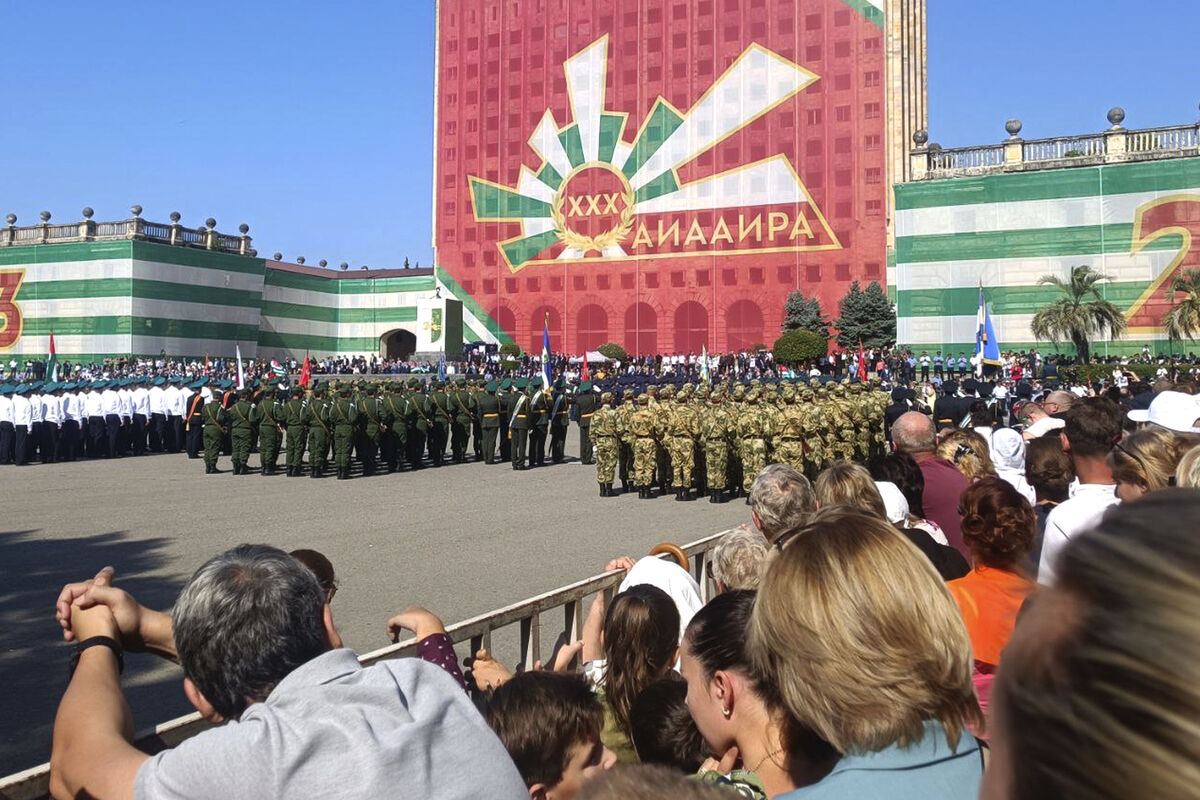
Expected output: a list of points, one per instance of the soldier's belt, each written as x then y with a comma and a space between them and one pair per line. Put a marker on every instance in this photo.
522, 416
490, 416
585, 416
790, 439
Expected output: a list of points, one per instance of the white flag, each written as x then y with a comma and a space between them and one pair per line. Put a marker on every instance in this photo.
241, 374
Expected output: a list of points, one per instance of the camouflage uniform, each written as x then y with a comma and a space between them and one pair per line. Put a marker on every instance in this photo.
681, 439
814, 424
790, 435
754, 430
644, 430
605, 437
625, 453
716, 424
841, 428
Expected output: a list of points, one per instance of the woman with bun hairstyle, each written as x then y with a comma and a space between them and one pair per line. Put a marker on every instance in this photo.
998, 526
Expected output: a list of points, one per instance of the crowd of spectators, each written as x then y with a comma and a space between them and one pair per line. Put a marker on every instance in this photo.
1003, 607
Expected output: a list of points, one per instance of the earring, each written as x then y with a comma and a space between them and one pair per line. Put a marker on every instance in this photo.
727, 712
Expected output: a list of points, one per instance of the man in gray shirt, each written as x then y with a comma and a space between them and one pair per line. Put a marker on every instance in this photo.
252, 632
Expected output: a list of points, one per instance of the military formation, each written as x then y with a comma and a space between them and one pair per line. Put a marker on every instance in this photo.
687, 439
692, 440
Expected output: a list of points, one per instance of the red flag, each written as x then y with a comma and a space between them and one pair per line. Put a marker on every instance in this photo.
206, 367
305, 372
584, 375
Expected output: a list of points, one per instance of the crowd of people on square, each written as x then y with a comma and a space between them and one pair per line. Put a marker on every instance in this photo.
994, 600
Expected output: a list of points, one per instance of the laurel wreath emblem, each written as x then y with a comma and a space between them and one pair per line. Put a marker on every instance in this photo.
582, 242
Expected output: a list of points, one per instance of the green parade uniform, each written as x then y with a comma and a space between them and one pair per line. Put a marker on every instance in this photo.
215, 420
343, 415
462, 414
241, 431
716, 424
560, 423
518, 424
439, 432
585, 410
374, 426
476, 421
417, 413
539, 422
297, 436
316, 419
395, 439
503, 398
489, 421
604, 435
267, 416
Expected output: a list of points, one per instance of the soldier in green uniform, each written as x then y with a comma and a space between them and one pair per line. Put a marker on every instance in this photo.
489, 415
475, 389
392, 444
681, 433
343, 415
625, 454
256, 393
439, 431
560, 422
644, 431
267, 417
814, 425
374, 427
603, 434
241, 430
215, 420
462, 413
417, 411
585, 409
293, 420
662, 403
754, 430
316, 419
842, 433
539, 422
790, 434
716, 428
518, 423
503, 395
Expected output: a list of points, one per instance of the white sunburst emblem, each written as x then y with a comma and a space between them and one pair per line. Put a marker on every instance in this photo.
596, 196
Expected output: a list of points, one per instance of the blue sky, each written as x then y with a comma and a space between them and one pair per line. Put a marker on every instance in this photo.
312, 122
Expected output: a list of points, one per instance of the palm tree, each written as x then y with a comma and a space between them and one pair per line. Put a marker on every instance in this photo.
1081, 315
1183, 320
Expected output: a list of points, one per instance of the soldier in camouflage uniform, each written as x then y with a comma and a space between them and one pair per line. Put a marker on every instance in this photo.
814, 425
699, 404
644, 430
789, 435
316, 419
605, 438
841, 428
680, 436
625, 458
754, 426
716, 426
737, 406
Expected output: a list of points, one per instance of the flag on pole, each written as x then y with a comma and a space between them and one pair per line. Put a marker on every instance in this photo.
52, 362
987, 348
305, 372
241, 373
704, 374
546, 352
442, 366
584, 376
206, 363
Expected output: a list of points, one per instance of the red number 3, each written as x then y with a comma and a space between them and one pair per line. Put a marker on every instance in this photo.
10, 312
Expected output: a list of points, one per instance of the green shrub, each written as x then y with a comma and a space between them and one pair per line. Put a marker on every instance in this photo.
614, 351
798, 346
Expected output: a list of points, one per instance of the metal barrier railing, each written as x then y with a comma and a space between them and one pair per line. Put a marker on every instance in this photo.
33, 784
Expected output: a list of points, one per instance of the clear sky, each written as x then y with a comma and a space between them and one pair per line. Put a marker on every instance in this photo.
313, 122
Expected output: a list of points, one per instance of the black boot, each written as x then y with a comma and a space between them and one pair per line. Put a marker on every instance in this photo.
608, 490
681, 495
264, 471
316, 472
689, 494
603, 491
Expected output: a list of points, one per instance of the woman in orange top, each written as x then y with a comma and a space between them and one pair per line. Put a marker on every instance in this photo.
998, 527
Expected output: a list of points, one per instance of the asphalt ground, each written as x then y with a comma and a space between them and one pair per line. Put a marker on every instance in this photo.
460, 540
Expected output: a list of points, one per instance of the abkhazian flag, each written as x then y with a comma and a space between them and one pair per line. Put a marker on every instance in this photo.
442, 366
987, 349
240, 372
546, 352
52, 362
704, 375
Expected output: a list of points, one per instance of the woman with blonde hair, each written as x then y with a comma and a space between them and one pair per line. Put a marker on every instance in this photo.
1145, 460
856, 641
1099, 692
1187, 474
968, 452
847, 484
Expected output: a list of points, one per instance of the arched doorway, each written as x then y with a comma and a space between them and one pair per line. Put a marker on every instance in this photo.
641, 329
506, 322
399, 344
591, 328
744, 325
691, 327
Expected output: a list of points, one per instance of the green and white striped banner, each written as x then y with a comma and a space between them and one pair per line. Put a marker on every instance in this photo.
1132, 222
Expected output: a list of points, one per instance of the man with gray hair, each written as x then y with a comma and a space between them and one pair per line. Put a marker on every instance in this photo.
913, 433
739, 560
781, 499
253, 634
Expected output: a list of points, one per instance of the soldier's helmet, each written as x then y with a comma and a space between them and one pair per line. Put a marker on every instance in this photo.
739, 392
643, 399
627, 394
606, 398
752, 396
667, 392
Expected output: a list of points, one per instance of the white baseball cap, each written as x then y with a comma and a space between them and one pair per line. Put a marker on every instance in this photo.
1174, 411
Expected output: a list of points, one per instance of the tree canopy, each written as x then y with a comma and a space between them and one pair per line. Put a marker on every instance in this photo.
1183, 320
1080, 315
867, 316
614, 351
799, 346
802, 313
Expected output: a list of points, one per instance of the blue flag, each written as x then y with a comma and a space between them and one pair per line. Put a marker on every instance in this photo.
442, 366
546, 353
987, 348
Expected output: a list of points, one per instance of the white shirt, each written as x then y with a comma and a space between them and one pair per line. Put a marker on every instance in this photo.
92, 407
53, 409
73, 406
37, 407
183, 401
141, 401
171, 401
157, 400
22, 411
110, 403
126, 403
6, 409
1070, 519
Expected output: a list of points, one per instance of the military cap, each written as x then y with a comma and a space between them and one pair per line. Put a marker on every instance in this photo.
606, 398
160, 381
667, 392
535, 383
318, 390
643, 398
521, 383
627, 394
490, 387
586, 386
370, 389
244, 392
739, 392
506, 384
414, 383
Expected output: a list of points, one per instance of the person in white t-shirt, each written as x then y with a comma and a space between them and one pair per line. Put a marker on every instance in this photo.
1093, 426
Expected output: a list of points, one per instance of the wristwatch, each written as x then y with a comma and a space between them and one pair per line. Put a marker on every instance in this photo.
102, 641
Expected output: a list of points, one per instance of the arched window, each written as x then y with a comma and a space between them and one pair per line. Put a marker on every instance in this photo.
506, 321
743, 325
591, 328
553, 321
641, 329
691, 327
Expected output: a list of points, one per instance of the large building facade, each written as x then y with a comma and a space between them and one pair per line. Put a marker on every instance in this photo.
663, 174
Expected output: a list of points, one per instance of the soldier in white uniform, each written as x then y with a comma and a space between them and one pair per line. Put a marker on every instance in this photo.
126, 404
33, 445
22, 422
93, 411
73, 422
140, 397
110, 404
52, 417
173, 416
158, 415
